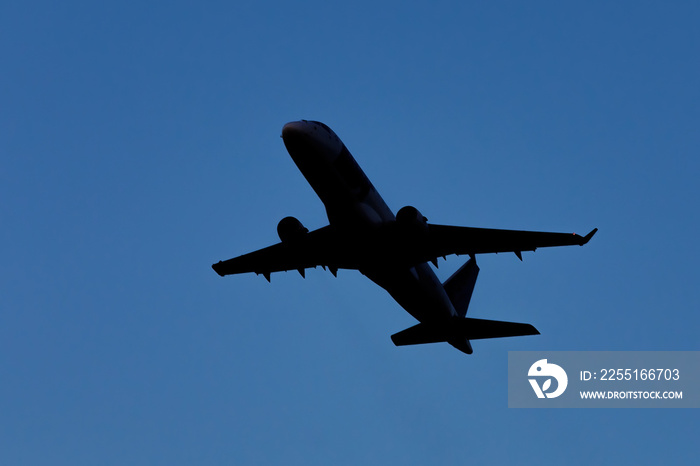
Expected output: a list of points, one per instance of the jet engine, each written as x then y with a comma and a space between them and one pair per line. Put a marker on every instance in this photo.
290, 229
411, 217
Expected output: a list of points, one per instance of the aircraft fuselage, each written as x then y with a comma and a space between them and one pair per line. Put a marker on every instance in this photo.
352, 203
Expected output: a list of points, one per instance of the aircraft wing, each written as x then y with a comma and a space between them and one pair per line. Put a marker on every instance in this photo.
443, 240
388, 247
322, 247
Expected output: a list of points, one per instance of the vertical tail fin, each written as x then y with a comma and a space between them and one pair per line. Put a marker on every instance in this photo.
460, 286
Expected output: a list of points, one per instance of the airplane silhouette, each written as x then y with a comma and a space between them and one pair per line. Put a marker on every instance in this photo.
392, 251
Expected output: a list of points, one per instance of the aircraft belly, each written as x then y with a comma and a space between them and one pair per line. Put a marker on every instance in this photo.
417, 290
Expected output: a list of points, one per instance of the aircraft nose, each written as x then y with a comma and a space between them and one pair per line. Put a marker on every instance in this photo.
297, 139
294, 129
310, 141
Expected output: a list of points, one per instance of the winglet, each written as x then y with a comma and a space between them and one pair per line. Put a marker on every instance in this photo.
588, 237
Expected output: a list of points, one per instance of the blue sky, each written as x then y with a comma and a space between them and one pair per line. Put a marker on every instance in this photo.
140, 144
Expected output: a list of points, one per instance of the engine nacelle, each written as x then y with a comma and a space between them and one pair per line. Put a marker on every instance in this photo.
290, 229
411, 217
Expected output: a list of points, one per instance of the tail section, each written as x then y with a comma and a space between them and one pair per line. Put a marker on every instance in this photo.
459, 330
460, 286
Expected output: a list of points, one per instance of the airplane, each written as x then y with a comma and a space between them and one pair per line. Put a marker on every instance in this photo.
394, 251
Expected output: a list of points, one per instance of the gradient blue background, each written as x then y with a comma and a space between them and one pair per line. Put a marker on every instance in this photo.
139, 143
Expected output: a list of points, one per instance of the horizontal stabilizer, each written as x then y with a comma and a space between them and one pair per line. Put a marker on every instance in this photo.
418, 335
477, 329
461, 328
